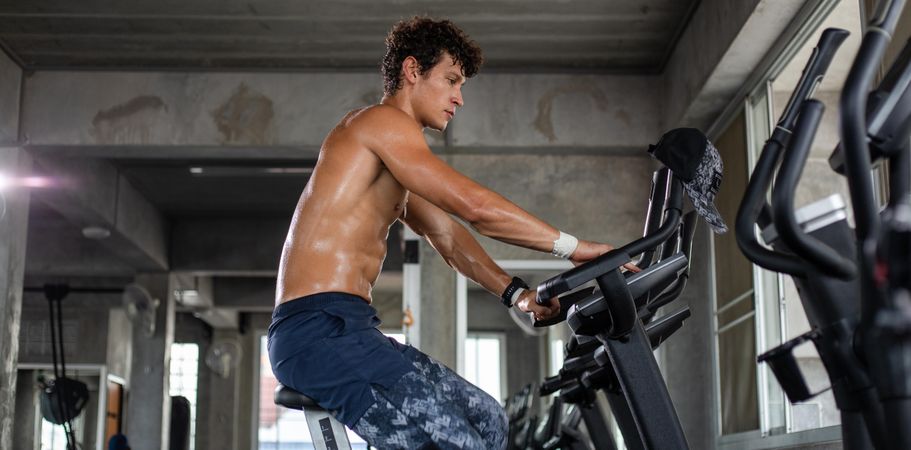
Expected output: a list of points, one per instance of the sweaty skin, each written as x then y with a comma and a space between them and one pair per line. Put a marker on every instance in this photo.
374, 168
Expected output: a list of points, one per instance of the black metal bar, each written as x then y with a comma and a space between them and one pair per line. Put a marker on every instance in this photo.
900, 175
596, 424
657, 200
795, 158
644, 391
753, 208
628, 425
88, 290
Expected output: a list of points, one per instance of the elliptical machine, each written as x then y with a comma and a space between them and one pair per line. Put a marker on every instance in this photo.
846, 290
619, 318
587, 367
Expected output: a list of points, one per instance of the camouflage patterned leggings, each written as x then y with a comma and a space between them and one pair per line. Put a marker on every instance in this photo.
433, 407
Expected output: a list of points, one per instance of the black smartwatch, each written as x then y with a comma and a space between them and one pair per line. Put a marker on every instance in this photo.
516, 284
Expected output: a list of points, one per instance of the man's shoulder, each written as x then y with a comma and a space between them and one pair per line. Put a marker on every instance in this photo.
380, 115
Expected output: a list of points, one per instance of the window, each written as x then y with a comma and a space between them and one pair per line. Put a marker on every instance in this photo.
185, 378
53, 437
556, 356
483, 362
282, 428
735, 321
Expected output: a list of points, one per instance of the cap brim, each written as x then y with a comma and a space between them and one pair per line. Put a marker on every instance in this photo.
710, 213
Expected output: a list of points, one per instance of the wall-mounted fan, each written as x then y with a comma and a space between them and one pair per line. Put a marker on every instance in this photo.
223, 357
140, 308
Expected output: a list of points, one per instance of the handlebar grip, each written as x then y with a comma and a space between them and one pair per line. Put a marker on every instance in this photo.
754, 198
580, 275
552, 384
812, 74
820, 255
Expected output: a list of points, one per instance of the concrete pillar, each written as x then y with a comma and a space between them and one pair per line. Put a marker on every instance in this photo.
679, 360
13, 226
224, 398
149, 403
26, 405
13, 229
438, 307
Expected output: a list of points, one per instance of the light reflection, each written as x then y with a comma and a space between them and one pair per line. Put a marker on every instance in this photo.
31, 182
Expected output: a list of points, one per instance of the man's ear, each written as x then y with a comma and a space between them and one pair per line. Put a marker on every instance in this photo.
410, 69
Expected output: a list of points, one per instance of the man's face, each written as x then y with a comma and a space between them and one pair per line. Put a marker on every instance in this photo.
439, 93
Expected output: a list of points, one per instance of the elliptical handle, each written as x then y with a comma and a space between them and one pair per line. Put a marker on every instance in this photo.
754, 197
823, 257
812, 74
853, 108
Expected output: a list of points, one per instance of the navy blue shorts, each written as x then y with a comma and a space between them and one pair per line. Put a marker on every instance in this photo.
327, 347
392, 395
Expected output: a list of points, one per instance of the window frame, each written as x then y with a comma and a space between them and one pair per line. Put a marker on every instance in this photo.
501, 341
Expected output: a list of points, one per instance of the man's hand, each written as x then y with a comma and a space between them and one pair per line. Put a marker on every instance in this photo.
588, 250
526, 303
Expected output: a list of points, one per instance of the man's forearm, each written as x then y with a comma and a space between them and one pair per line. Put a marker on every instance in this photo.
500, 219
466, 256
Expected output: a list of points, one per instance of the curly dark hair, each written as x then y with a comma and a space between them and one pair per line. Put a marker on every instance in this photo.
426, 39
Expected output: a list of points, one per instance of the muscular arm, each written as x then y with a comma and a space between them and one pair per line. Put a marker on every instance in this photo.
464, 254
455, 244
398, 141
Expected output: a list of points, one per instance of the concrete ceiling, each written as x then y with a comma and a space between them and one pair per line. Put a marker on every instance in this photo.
618, 36
181, 188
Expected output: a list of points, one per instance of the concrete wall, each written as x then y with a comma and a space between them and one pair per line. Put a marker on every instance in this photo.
719, 50
595, 197
85, 328
10, 82
260, 109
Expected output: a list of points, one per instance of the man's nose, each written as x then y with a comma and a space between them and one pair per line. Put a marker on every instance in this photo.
457, 99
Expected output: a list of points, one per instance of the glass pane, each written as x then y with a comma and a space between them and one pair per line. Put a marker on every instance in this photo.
482, 363
737, 375
556, 356
184, 379
735, 298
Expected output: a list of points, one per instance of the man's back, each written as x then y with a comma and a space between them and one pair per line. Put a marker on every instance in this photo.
337, 238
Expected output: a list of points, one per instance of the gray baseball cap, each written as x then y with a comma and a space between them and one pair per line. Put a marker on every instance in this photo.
696, 162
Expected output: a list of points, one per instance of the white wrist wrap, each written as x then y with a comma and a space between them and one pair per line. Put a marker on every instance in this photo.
565, 245
515, 296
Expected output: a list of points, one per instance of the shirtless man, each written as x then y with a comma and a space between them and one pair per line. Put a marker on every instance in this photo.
374, 168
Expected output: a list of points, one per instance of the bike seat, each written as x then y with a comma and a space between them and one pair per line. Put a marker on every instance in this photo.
289, 398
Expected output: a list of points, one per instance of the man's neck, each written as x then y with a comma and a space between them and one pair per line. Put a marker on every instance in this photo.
399, 100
